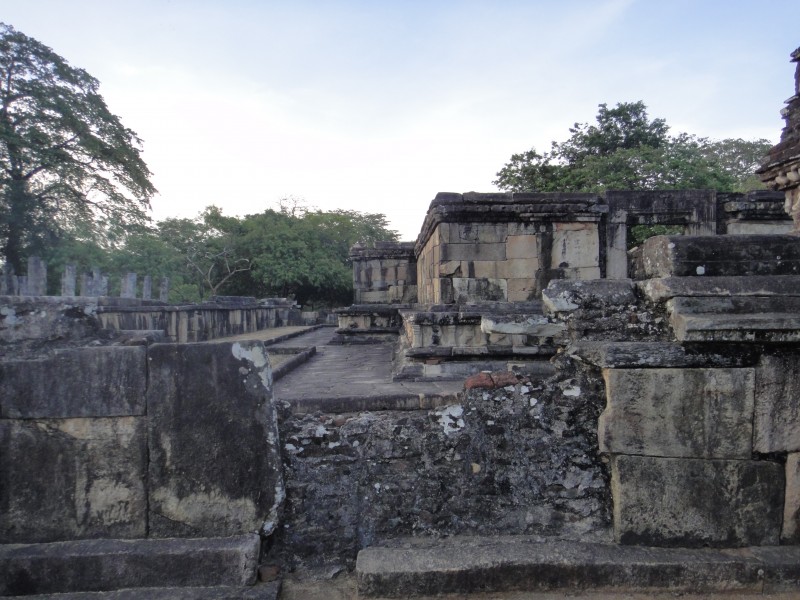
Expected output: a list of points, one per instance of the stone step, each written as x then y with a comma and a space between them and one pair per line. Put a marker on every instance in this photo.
773, 319
263, 591
665, 256
113, 564
490, 565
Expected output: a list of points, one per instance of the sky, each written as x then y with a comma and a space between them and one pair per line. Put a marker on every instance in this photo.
376, 106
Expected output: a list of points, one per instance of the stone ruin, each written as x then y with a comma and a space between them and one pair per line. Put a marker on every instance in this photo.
629, 418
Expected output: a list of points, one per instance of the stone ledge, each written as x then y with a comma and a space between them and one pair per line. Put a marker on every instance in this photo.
472, 565
264, 591
619, 355
349, 404
111, 564
666, 288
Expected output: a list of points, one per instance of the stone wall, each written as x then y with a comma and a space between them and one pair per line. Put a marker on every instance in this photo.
385, 273
201, 322
699, 368
504, 247
514, 457
170, 440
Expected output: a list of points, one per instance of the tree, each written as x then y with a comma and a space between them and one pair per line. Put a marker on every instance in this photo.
627, 150
65, 159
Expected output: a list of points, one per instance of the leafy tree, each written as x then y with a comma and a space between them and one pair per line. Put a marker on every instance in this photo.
627, 150
65, 159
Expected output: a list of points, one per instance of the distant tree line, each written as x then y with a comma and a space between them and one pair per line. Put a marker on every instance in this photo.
290, 252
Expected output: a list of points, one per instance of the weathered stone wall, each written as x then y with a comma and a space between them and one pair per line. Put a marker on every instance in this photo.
31, 322
385, 273
199, 322
504, 247
129, 442
514, 457
699, 364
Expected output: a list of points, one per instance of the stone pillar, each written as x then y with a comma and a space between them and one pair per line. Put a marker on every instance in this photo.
147, 287
37, 277
128, 286
163, 290
68, 280
9, 286
100, 285
86, 284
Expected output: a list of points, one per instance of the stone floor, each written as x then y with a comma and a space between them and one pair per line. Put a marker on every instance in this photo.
359, 376
343, 587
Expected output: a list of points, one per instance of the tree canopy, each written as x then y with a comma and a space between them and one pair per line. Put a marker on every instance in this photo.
66, 162
627, 150
290, 252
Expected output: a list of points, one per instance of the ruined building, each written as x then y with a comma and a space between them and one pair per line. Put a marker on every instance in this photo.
563, 411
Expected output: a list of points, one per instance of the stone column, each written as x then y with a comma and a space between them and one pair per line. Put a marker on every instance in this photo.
100, 285
128, 286
22, 285
37, 276
68, 281
163, 290
147, 287
9, 286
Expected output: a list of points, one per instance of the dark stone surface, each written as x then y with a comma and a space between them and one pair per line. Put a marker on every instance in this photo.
79, 382
621, 355
473, 565
665, 256
66, 479
777, 404
690, 502
521, 458
214, 459
109, 564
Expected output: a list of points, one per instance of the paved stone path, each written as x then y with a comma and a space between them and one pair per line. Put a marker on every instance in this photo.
358, 377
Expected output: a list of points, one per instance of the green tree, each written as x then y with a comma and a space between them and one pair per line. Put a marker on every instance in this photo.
65, 159
627, 150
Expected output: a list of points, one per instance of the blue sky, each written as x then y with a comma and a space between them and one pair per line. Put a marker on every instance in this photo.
376, 106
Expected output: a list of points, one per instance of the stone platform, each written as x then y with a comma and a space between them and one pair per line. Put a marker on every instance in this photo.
414, 568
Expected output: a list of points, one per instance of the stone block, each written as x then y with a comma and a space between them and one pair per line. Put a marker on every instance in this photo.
665, 256
452, 268
479, 290
522, 246
492, 233
79, 382
575, 245
139, 568
521, 290
483, 269
688, 502
215, 467
471, 251
518, 268
692, 413
777, 410
66, 479
790, 533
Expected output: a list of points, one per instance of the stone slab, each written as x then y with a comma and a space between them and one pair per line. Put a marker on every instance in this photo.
113, 564
72, 478
665, 256
214, 465
693, 503
621, 355
80, 382
790, 534
664, 288
777, 406
481, 565
692, 413
261, 591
